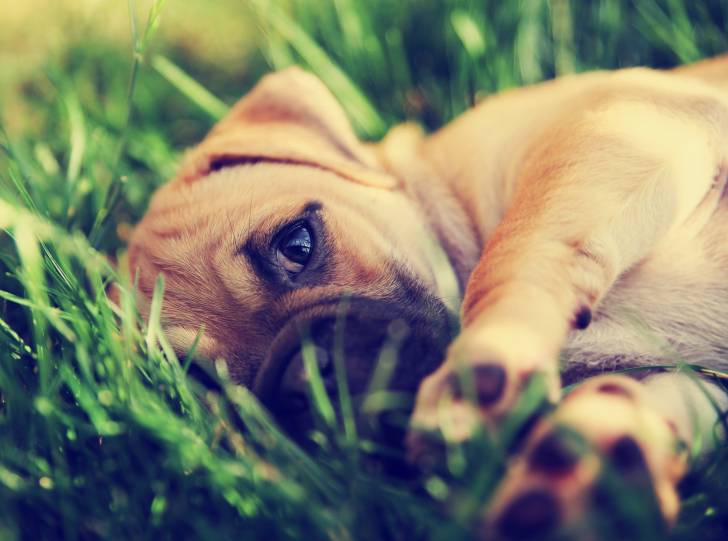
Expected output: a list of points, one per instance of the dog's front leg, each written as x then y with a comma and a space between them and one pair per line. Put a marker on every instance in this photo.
597, 194
596, 197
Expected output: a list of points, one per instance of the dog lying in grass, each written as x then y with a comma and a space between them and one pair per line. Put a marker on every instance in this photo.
585, 217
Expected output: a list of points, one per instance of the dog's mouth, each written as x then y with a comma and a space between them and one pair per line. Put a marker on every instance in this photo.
375, 351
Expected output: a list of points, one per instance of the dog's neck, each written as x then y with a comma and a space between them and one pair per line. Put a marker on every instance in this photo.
401, 154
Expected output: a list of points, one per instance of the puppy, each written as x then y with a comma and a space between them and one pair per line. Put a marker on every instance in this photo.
585, 217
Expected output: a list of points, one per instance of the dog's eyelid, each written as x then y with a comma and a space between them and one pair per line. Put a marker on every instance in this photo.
259, 240
262, 249
264, 241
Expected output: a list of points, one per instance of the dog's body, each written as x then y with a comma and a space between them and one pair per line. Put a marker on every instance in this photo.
585, 215
680, 289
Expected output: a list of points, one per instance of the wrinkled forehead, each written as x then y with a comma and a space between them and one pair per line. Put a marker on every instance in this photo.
230, 204
221, 211
188, 226
256, 191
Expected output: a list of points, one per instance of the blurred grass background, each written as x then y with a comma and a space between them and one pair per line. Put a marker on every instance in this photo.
102, 435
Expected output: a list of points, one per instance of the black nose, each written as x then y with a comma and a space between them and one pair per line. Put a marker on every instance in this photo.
356, 344
292, 397
376, 345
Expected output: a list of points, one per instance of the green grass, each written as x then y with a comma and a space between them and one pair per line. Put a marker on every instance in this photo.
102, 433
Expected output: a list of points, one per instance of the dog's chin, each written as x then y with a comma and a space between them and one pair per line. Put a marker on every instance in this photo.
377, 353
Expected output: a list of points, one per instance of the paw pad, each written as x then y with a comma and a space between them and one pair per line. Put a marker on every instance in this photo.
425, 449
532, 513
627, 457
615, 389
557, 453
488, 384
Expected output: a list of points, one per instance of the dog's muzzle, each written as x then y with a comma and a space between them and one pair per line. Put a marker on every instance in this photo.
371, 345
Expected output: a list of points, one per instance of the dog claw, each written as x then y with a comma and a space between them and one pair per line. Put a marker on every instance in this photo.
490, 381
627, 457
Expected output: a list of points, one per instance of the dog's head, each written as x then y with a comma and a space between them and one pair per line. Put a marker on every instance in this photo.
282, 224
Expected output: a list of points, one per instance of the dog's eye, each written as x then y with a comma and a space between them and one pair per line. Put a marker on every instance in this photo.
294, 248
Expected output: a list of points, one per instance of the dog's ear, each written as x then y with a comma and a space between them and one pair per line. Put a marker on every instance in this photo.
288, 117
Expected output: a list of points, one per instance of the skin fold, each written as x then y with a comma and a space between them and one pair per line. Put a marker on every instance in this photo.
583, 218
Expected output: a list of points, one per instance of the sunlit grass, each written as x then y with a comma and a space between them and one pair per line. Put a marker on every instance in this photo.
102, 432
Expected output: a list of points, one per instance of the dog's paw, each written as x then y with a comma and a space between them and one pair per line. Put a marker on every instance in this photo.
602, 457
480, 382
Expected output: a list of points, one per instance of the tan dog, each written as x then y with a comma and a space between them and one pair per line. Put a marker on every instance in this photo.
585, 216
